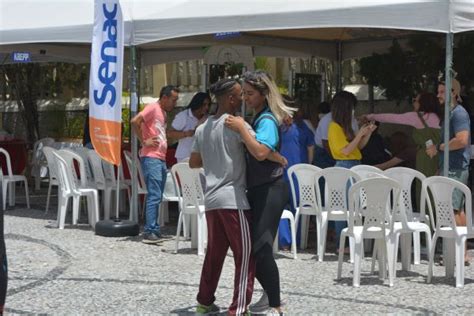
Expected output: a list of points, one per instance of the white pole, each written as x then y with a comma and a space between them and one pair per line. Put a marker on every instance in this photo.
204, 77
447, 99
323, 87
133, 112
117, 194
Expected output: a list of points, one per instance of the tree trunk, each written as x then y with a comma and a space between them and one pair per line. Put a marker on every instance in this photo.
25, 79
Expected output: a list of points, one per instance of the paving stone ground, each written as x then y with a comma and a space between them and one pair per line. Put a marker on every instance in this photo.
73, 271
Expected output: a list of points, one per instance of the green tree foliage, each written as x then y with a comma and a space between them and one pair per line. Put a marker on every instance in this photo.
404, 72
28, 83
22, 80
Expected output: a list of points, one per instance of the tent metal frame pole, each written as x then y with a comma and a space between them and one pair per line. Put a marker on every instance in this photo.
447, 98
133, 112
339, 66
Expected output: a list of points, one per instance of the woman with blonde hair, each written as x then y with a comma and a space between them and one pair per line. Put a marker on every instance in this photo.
267, 191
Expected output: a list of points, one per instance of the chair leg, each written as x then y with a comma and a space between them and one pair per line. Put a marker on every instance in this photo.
405, 245
449, 246
381, 258
107, 198
357, 260
430, 261
416, 248
12, 193
201, 233
178, 230
275, 242
342, 244
75, 209
390, 247
166, 213
37, 183
4, 194
93, 209
304, 219
48, 197
161, 214
293, 237
62, 207
322, 222
374, 257
460, 242
27, 194
351, 250
186, 226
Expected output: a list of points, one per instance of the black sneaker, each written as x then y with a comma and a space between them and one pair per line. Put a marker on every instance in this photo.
151, 238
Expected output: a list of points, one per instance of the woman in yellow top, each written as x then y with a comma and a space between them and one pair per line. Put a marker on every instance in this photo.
343, 142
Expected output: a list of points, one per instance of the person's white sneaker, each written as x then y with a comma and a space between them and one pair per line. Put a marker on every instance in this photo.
272, 312
261, 305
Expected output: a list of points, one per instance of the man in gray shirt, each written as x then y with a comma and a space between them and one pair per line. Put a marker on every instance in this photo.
220, 151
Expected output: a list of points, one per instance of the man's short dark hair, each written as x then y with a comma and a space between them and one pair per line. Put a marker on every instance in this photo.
222, 87
167, 90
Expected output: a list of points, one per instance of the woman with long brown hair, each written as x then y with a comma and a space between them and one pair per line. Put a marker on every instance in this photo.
267, 191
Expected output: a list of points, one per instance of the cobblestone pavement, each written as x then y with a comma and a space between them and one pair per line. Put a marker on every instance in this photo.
72, 271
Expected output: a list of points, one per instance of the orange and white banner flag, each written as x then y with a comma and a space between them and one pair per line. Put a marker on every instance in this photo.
105, 84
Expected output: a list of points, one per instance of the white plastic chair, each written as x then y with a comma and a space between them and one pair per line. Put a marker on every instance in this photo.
111, 180
191, 192
169, 195
336, 188
101, 182
142, 190
289, 216
80, 178
367, 171
38, 161
305, 203
52, 171
8, 182
445, 226
83, 152
405, 177
69, 189
370, 222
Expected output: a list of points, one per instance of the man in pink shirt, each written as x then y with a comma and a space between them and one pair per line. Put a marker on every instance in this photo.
150, 128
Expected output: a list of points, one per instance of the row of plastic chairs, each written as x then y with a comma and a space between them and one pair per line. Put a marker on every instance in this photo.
375, 212
38, 161
379, 217
91, 173
62, 170
307, 200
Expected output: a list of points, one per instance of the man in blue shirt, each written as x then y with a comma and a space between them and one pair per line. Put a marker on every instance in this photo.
459, 147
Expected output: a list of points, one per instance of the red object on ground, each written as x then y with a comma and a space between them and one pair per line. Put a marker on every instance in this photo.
18, 155
170, 159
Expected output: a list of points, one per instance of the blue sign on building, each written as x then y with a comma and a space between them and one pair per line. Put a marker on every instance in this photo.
223, 35
21, 57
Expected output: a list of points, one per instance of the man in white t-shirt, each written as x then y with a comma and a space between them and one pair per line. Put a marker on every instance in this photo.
185, 123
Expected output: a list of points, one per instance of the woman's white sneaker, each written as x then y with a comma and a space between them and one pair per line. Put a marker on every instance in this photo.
261, 305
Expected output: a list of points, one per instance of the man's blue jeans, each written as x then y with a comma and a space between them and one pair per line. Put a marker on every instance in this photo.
154, 171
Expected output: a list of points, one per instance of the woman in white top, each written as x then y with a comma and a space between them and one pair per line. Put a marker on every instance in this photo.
185, 123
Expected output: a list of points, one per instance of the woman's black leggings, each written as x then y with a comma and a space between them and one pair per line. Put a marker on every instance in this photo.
267, 202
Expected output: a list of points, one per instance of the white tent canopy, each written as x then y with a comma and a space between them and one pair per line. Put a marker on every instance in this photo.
70, 21
179, 28
312, 26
